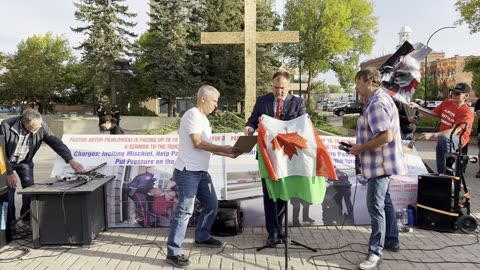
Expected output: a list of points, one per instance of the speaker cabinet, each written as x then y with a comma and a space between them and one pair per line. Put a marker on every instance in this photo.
431, 220
434, 203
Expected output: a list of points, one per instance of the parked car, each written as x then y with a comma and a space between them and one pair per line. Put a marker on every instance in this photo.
419, 101
329, 105
432, 104
352, 107
338, 104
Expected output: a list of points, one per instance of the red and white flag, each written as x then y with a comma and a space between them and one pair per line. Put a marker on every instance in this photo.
292, 148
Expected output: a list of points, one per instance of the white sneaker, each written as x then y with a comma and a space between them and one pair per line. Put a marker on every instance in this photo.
370, 262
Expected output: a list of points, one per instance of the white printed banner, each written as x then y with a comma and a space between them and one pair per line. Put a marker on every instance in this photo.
143, 195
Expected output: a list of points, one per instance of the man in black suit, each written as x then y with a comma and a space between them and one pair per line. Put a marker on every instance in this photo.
284, 106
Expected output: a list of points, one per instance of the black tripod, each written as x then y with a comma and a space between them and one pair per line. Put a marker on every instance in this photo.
286, 240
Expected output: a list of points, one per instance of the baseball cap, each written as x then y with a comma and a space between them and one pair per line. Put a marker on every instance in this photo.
461, 88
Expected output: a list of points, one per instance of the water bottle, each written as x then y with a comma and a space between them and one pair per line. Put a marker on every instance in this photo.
398, 215
411, 216
404, 216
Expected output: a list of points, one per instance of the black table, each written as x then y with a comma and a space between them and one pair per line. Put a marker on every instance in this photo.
68, 212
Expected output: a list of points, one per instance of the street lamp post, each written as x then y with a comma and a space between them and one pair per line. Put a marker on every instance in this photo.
300, 79
426, 59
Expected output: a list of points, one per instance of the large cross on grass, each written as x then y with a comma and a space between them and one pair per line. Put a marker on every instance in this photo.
250, 37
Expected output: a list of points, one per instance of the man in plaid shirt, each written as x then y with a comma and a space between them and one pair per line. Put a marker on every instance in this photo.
379, 147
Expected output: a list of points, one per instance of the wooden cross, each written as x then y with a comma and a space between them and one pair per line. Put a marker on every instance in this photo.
250, 37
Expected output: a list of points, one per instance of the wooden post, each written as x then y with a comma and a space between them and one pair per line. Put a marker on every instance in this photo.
250, 37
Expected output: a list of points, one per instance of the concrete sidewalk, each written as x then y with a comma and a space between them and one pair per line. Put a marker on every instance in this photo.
338, 248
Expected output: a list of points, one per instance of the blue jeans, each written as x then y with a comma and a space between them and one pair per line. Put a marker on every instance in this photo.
382, 216
191, 185
443, 147
25, 173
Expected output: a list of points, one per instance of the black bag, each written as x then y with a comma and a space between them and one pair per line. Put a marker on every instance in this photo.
229, 220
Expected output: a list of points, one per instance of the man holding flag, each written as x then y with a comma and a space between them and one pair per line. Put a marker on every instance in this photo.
284, 106
379, 147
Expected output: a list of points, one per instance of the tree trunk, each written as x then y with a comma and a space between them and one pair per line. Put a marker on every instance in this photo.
40, 107
172, 106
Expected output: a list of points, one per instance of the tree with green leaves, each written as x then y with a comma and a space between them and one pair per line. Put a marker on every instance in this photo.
224, 64
38, 71
469, 11
108, 36
167, 54
333, 33
334, 88
432, 92
472, 64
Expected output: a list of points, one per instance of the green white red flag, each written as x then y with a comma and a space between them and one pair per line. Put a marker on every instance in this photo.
293, 148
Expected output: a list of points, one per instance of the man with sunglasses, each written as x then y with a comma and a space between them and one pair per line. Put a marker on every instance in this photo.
23, 137
451, 112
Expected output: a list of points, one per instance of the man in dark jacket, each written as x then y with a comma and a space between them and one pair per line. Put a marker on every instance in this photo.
281, 105
116, 113
23, 137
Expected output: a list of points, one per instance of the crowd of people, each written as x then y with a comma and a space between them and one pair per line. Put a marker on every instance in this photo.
380, 128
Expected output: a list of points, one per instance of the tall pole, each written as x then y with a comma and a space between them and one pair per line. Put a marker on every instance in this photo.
426, 59
300, 86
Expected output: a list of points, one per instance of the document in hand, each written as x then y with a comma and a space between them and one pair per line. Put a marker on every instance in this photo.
246, 143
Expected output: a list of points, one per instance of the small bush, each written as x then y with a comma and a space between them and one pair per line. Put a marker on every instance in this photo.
163, 130
226, 122
428, 122
321, 122
350, 122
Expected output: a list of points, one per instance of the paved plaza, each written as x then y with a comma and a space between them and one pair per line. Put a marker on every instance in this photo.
337, 247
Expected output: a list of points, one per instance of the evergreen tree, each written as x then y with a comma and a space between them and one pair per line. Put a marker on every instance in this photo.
224, 64
166, 55
108, 38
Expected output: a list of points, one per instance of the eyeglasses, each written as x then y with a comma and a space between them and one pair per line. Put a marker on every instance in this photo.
32, 127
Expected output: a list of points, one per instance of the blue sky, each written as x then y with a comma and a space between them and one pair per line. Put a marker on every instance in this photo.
23, 18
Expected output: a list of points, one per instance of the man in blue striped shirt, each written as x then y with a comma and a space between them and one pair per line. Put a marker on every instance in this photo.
379, 147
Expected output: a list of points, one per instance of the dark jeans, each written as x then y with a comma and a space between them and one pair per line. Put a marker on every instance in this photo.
25, 173
343, 193
274, 211
296, 202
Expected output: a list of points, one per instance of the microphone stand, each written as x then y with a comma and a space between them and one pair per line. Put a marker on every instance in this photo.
285, 239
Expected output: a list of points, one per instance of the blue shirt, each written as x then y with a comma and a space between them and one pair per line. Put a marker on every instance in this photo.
380, 114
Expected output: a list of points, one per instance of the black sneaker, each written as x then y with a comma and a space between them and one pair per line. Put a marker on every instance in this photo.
309, 220
178, 261
392, 248
211, 243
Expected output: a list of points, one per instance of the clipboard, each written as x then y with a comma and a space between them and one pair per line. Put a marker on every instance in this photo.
246, 143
